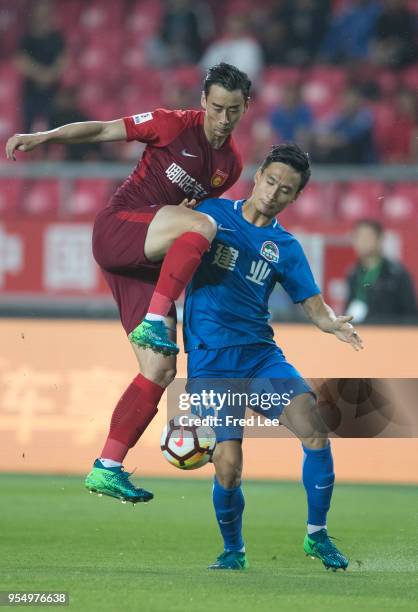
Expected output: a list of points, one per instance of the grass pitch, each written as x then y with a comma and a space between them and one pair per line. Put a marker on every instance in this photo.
153, 557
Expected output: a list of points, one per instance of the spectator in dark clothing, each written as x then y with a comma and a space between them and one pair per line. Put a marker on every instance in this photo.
65, 110
185, 29
306, 22
291, 32
348, 138
40, 59
273, 40
394, 43
292, 120
379, 290
350, 32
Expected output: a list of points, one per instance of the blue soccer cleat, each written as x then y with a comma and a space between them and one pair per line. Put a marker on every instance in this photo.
319, 545
230, 560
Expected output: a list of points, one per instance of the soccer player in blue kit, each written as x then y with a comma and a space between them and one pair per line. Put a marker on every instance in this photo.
227, 336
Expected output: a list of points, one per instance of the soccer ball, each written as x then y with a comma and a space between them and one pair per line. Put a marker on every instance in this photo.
187, 447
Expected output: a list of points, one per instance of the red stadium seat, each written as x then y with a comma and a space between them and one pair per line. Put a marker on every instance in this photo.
11, 191
401, 204
9, 83
409, 78
322, 89
91, 96
68, 17
42, 197
311, 204
10, 27
144, 19
88, 197
96, 62
101, 16
362, 199
387, 81
272, 83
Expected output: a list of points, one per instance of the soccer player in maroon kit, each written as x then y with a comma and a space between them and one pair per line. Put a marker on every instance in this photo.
148, 248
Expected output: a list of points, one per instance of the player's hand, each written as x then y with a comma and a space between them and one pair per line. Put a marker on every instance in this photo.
22, 142
188, 203
345, 332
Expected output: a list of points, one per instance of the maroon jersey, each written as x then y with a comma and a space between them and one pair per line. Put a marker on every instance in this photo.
178, 161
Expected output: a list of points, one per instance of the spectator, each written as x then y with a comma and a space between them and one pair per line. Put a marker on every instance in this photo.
398, 138
292, 120
65, 110
348, 138
273, 40
379, 290
185, 28
237, 47
306, 23
394, 41
350, 33
40, 59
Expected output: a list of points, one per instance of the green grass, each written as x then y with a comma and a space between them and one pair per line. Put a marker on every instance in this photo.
109, 556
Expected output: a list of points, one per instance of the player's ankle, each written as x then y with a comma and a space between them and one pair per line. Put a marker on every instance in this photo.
151, 316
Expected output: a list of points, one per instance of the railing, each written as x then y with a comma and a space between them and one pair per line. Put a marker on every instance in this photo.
110, 170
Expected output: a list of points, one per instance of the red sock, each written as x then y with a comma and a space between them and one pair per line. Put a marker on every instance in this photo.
179, 265
132, 415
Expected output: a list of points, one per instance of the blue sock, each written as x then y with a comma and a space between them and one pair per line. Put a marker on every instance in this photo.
318, 479
229, 506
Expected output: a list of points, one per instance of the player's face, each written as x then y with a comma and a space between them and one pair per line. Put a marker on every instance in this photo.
366, 241
223, 110
275, 188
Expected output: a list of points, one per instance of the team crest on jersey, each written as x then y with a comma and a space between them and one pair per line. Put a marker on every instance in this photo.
142, 118
218, 178
270, 251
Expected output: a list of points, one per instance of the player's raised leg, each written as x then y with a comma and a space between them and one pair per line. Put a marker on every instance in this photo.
303, 419
228, 501
181, 236
132, 415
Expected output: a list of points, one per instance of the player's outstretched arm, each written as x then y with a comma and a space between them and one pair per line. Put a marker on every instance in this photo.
325, 318
73, 133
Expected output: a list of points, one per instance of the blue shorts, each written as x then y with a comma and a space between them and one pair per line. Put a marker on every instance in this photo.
239, 377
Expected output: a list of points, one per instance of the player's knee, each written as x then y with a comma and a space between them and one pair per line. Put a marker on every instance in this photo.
205, 225
228, 471
315, 443
161, 376
229, 478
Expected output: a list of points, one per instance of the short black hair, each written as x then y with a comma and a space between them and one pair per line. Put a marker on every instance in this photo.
228, 77
375, 225
290, 154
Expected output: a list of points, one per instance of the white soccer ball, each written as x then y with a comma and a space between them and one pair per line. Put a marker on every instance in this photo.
187, 447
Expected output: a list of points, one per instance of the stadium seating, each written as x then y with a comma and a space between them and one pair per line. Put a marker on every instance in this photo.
107, 45
359, 200
322, 89
41, 198
401, 204
11, 191
87, 197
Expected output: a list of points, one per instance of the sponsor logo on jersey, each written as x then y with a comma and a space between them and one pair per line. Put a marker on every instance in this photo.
218, 178
187, 183
142, 118
270, 251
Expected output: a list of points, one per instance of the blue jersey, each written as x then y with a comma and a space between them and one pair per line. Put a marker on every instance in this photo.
227, 300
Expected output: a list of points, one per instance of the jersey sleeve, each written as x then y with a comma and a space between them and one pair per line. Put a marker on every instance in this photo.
298, 280
158, 128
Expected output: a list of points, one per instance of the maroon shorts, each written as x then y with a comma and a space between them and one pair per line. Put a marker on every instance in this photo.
118, 247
